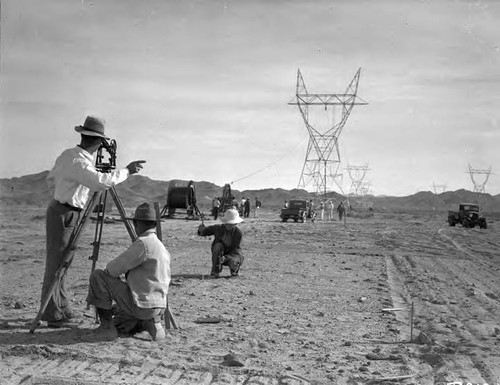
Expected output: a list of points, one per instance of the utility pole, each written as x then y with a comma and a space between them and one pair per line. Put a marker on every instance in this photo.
322, 162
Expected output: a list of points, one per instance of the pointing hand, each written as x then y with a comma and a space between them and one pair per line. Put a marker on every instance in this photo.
135, 166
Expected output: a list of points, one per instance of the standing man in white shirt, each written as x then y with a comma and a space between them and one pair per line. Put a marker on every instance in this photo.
74, 175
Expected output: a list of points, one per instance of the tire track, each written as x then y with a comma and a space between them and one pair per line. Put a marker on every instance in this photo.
412, 274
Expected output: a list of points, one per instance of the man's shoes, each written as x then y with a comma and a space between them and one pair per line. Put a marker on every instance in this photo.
106, 332
155, 329
62, 323
68, 313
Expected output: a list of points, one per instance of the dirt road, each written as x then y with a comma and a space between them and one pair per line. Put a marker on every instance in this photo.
317, 303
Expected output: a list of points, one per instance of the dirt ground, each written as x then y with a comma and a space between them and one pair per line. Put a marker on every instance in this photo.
318, 303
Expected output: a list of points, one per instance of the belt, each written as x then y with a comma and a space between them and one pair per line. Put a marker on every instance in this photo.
72, 208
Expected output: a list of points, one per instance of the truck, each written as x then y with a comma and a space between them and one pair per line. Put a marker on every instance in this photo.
468, 216
296, 210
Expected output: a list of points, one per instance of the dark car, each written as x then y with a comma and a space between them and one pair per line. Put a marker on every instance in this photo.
296, 210
468, 216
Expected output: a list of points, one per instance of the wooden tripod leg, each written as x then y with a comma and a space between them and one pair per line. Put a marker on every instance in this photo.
169, 318
65, 263
121, 210
172, 319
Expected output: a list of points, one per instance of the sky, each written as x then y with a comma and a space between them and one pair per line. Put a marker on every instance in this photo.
200, 89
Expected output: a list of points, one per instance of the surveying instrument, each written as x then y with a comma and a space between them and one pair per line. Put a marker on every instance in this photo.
97, 204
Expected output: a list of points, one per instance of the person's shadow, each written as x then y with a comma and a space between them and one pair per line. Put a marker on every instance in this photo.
190, 276
177, 278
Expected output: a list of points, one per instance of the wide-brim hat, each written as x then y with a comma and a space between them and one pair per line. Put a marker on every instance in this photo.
144, 212
231, 217
93, 126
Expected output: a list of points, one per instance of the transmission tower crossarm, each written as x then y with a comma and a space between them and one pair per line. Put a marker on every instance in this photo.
326, 100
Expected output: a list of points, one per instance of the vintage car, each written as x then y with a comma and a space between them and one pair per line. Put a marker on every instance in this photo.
468, 216
296, 210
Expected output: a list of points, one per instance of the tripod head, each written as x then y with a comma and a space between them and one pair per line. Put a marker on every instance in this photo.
106, 156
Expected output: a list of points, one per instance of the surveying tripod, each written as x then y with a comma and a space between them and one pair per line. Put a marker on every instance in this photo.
69, 252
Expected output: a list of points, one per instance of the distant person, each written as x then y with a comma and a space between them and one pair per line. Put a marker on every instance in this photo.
226, 246
246, 210
341, 209
235, 205
258, 205
213, 205
285, 205
73, 176
310, 209
242, 207
142, 297
215, 208
322, 210
330, 210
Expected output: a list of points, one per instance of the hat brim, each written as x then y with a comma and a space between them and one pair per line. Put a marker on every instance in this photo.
82, 130
232, 222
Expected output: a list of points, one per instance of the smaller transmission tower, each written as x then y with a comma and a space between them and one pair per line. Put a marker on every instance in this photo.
479, 186
357, 174
438, 188
365, 189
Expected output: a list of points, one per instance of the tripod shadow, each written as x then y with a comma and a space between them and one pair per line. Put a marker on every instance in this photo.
201, 277
190, 276
20, 335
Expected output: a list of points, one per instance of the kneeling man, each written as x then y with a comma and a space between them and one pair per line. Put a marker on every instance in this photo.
226, 245
137, 281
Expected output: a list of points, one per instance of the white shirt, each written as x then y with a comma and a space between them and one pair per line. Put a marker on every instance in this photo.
74, 175
146, 264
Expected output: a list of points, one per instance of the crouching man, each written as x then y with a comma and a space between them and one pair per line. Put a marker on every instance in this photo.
226, 250
141, 296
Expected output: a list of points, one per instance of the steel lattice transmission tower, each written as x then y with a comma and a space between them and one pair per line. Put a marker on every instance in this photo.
438, 188
365, 189
357, 175
479, 187
322, 162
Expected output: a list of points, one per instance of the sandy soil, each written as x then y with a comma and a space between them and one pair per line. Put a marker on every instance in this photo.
318, 303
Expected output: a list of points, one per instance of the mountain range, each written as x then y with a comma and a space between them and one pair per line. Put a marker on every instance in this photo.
32, 190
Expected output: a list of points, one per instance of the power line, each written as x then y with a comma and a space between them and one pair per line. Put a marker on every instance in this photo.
271, 164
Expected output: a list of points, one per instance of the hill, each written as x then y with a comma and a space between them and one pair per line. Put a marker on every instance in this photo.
33, 190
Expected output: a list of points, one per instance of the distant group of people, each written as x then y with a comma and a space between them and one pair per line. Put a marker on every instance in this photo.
327, 209
243, 207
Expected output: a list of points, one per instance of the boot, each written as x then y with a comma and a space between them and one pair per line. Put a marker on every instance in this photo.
155, 329
107, 330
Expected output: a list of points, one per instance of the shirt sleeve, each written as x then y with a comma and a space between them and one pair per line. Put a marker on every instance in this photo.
129, 259
87, 175
210, 230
